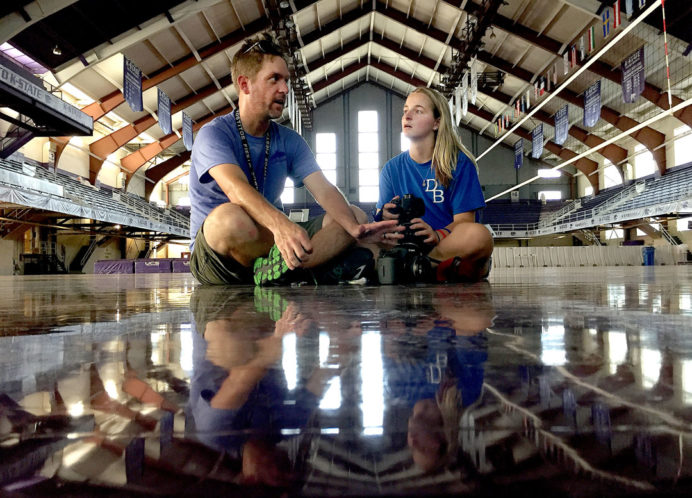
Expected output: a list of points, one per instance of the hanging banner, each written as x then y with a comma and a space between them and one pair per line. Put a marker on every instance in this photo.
132, 85
164, 112
561, 125
565, 62
537, 142
592, 104
187, 131
519, 153
457, 102
474, 81
465, 94
633, 76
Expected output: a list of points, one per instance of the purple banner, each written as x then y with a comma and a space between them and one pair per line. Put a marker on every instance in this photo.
165, 112
114, 266
132, 85
592, 104
152, 266
519, 153
180, 266
187, 131
561, 125
633, 76
537, 142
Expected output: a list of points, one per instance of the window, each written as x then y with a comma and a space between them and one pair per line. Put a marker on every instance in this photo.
644, 164
611, 175
325, 154
550, 195
549, 173
588, 190
683, 224
405, 142
368, 156
289, 194
682, 145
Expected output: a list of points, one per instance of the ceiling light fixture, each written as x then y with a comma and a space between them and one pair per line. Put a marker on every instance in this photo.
57, 50
492, 34
284, 4
289, 23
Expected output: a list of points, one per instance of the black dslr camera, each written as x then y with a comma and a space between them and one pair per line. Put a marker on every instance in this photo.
409, 207
407, 262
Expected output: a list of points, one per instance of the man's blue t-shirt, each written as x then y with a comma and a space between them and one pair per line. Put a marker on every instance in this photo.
218, 142
402, 175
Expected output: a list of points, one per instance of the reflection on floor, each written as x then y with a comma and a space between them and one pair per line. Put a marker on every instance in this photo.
564, 381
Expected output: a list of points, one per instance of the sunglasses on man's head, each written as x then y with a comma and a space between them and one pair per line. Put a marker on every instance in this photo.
264, 46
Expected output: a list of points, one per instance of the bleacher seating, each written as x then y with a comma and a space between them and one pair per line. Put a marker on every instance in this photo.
136, 210
505, 212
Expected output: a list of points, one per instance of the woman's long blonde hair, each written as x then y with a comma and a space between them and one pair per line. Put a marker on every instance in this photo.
447, 141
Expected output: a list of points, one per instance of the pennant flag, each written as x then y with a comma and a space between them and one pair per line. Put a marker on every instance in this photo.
555, 74
573, 61
465, 94
457, 107
592, 104
522, 104
605, 17
642, 4
537, 142
541, 86
565, 62
164, 113
474, 81
617, 18
592, 39
582, 49
549, 79
187, 132
528, 99
132, 85
518, 153
628, 8
561, 125
633, 80
535, 90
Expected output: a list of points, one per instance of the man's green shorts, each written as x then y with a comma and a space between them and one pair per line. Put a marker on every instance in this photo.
210, 268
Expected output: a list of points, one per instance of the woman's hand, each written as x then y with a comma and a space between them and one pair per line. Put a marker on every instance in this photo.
387, 213
424, 231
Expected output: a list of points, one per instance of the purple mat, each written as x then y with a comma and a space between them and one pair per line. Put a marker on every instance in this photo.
152, 266
113, 266
180, 266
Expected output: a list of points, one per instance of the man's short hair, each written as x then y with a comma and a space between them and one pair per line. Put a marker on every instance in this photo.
248, 60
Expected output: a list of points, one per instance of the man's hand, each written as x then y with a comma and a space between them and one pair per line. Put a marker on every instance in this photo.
293, 243
380, 232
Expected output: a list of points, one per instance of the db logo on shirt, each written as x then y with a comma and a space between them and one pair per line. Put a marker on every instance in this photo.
437, 194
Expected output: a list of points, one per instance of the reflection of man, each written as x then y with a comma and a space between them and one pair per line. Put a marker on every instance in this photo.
245, 158
437, 368
239, 400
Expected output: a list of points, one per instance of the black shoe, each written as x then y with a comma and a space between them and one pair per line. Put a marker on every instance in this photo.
353, 264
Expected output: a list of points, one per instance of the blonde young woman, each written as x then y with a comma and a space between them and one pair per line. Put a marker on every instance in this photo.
440, 170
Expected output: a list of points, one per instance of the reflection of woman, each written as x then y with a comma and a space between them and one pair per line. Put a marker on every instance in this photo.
239, 399
437, 372
438, 169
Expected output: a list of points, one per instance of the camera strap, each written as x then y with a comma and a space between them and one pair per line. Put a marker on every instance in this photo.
246, 149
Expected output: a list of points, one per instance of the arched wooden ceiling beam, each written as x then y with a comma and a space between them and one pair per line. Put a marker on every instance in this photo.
135, 160
100, 149
156, 173
651, 93
112, 100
